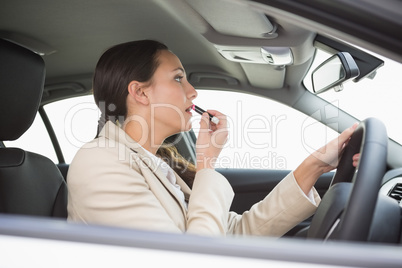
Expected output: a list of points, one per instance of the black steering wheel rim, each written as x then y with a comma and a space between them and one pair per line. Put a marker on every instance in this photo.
347, 209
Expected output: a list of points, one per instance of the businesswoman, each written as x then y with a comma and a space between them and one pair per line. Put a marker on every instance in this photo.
128, 177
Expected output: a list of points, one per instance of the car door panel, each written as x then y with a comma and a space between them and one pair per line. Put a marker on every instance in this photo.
251, 186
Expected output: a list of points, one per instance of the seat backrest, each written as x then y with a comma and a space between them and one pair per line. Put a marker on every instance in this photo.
30, 184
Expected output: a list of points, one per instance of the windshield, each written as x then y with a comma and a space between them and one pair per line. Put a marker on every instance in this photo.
379, 95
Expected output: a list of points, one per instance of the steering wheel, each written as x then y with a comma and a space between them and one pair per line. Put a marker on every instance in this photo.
346, 210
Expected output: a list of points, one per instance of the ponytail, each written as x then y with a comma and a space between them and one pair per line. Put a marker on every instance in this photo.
101, 123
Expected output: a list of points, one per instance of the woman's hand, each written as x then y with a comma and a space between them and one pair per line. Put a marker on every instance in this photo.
328, 156
356, 159
323, 160
211, 139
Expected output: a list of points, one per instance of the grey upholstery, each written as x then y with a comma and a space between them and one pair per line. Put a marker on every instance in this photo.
30, 184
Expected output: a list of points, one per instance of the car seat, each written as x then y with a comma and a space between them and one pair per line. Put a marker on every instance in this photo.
30, 184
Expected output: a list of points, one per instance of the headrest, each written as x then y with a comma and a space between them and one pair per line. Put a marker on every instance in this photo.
22, 77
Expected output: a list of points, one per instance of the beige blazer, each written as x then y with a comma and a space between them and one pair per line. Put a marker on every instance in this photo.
112, 181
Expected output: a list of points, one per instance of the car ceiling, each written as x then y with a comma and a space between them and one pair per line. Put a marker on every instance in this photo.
74, 33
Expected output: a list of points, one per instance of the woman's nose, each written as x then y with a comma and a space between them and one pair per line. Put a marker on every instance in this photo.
191, 92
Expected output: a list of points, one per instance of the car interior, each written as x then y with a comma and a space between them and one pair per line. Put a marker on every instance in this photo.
48, 51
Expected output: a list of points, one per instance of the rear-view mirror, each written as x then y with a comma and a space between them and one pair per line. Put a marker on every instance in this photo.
333, 72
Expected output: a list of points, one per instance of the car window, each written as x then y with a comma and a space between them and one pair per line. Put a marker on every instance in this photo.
36, 139
263, 134
74, 121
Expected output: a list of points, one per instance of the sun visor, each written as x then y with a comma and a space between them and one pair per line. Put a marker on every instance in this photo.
32, 44
234, 18
277, 56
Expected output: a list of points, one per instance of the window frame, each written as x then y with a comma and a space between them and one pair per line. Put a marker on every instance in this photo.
52, 135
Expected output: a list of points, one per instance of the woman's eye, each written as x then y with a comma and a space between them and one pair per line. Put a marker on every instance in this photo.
179, 78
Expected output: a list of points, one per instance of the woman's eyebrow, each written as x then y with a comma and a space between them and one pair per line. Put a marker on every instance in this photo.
179, 68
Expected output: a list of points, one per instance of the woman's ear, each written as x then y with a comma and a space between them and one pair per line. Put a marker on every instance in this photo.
137, 91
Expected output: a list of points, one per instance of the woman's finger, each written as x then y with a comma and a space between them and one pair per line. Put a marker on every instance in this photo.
345, 136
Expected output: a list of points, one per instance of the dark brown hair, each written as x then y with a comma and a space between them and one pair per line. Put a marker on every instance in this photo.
116, 68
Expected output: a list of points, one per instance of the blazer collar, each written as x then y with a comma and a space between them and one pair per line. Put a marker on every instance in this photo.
115, 134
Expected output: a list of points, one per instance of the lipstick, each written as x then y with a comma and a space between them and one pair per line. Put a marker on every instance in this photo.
212, 118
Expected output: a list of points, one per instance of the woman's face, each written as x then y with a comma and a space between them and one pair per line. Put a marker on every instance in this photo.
171, 95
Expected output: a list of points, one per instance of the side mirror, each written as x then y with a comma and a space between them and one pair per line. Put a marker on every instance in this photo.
333, 72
